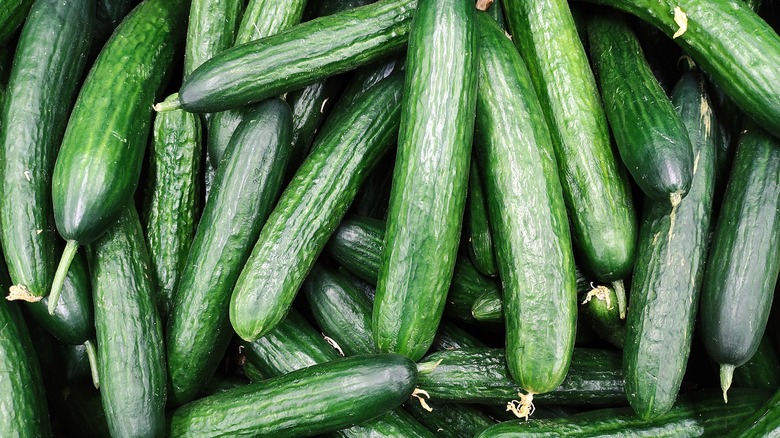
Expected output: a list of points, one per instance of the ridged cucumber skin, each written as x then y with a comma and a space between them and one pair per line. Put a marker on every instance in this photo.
212, 27
237, 209
701, 414
131, 354
12, 15
735, 47
108, 15
669, 267
430, 177
744, 257
597, 196
49, 60
480, 375
172, 199
648, 131
395, 423
311, 207
330, 7
528, 216
89, 189
763, 423
762, 371
310, 401
477, 224
297, 57
450, 420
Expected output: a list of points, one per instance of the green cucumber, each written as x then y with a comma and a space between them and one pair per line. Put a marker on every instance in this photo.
131, 354
763, 423
737, 49
99, 162
762, 371
236, 210
311, 207
310, 401
452, 337
430, 178
599, 311
480, 375
171, 202
648, 131
12, 15
108, 15
48, 64
533, 244
597, 196
212, 28
373, 199
700, 414
477, 226
744, 257
297, 57
669, 267
450, 420
329, 7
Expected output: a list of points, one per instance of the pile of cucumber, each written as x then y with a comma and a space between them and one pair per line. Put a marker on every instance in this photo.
389, 218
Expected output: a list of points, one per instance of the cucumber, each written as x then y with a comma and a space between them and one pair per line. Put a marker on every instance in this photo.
297, 57
237, 208
12, 15
373, 199
212, 28
762, 371
762, 423
48, 64
477, 226
528, 217
172, 198
452, 337
648, 131
310, 401
744, 257
450, 420
598, 197
430, 178
668, 271
700, 414
131, 354
311, 206
108, 15
89, 188
737, 49
329, 7
599, 311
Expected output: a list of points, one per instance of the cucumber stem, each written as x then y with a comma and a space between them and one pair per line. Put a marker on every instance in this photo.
620, 292
93, 362
726, 374
168, 105
62, 272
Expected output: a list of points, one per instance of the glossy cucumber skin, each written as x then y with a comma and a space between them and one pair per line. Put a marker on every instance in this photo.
49, 60
430, 177
762, 371
246, 186
702, 414
172, 199
648, 131
12, 15
736, 48
595, 188
669, 267
318, 399
311, 207
763, 423
298, 57
450, 420
89, 188
744, 257
131, 354
528, 217
212, 27
480, 238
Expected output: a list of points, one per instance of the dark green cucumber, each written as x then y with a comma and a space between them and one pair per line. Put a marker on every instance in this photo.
212, 28
477, 226
488, 307
430, 177
762, 371
366, 77
450, 420
131, 354
108, 15
48, 64
329, 7
172, 199
6, 61
392, 424
374, 197
598, 197
648, 131
669, 267
237, 208
310, 401
99, 162
83, 412
24, 410
737, 49
311, 207
701, 414
599, 311
763, 423
527, 214
480, 375
452, 337
744, 256
12, 15
299, 56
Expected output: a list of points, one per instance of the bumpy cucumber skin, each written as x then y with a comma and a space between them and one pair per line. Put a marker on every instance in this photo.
595, 188
237, 208
89, 186
649, 134
311, 207
528, 217
309, 401
480, 238
430, 177
670, 266
212, 27
131, 353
